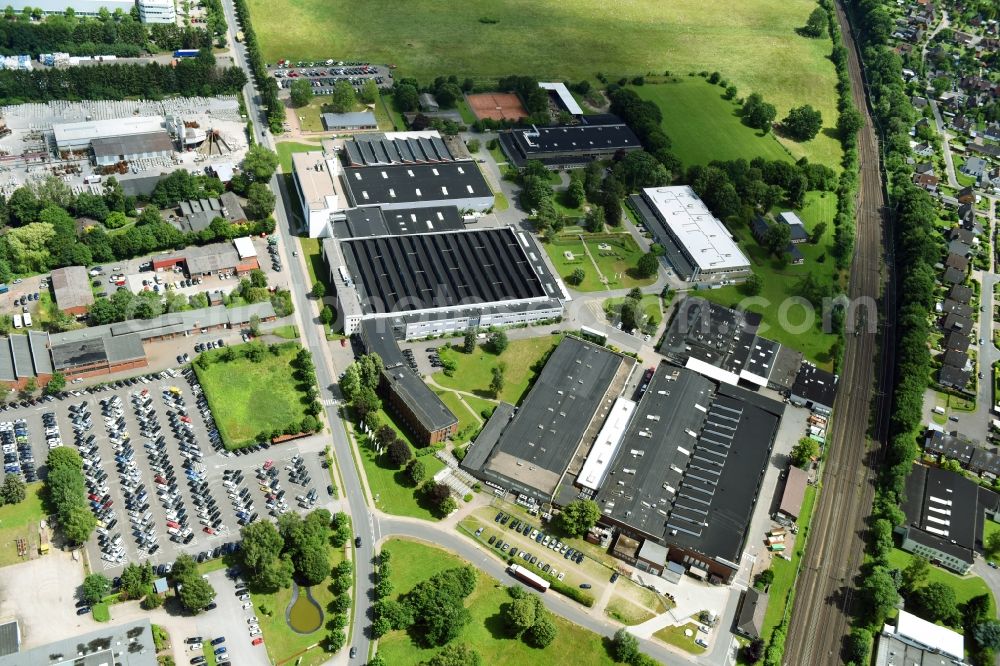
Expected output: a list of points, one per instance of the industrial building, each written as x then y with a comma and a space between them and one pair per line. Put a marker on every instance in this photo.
360, 120
539, 452
570, 146
814, 388
460, 184
945, 514
198, 214
424, 147
71, 289
373, 221
688, 469
697, 245
81, 8
317, 183
128, 644
913, 641
115, 140
436, 283
25, 357
157, 11
208, 259
422, 412
723, 344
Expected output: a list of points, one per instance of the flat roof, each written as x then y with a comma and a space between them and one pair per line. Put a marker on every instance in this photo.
689, 468
419, 272
374, 221
945, 506
400, 148
894, 652
538, 444
316, 174
912, 628
38, 342
606, 446
402, 184
244, 247
10, 638
815, 385
128, 644
89, 130
21, 351
706, 240
574, 139
71, 286
565, 96
133, 144
102, 349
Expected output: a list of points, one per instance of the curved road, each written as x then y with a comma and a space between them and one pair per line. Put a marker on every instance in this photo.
824, 589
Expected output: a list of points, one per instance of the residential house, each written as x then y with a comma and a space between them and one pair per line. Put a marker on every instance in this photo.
952, 377
957, 261
953, 276
960, 294
966, 195
958, 341
924, 167
927, 181
923, 149
975, 167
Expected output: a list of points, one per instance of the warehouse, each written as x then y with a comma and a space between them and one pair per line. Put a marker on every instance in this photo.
128, 644
697, 245
570, 146
317, 182
71, 289
459, 184
81, 8
539, 452
814, 388
112, 150
361, 120
147, 132
688, 472
208, 259
373, 221
445, 282
100, 355
424, 147
25, 357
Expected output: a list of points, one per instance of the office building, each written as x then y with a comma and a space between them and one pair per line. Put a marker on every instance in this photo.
569, 146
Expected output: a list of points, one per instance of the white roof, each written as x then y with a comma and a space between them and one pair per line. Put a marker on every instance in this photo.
565, 96
317, 175
712, 372
912, 629
706, 239
102, 129
244, 247
791, 219
595, 468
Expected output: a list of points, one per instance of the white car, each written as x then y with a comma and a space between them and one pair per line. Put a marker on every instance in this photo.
195, 647
252, 619
244, 597
248, 605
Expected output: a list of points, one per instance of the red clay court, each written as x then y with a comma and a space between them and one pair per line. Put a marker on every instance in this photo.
497, 106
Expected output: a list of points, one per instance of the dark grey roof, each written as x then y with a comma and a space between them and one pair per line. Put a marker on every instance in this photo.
984, 460
950, 445
957, 261
953, 377
402, 184
689, 467
955, 358
123, 645
359, 119
21, 351
425, 404
958, 341
536, 447
373, 221
953, 276
954, 307
124, 348
815, 385
672, 252
960, 293
70, 355
959, 247
571, 139
10, 638
750, 621
954, 322
488, 437
377, 149
123, 147
140, 185
941, 510
405, 273
7, 362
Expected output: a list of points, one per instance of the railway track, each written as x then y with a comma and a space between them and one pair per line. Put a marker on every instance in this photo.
825, 586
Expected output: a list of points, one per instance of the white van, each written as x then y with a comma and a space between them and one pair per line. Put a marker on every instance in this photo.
17, 321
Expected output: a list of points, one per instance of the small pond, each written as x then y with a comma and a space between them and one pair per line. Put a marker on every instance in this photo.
303, 614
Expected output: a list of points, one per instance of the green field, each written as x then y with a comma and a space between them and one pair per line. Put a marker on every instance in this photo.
285, 150
20, 521
467, 413
612, 256
704, 127
390, 485
413, 562
752, 43
965, 587
650, 305
475, 370
675, 636
247, 398
780, 284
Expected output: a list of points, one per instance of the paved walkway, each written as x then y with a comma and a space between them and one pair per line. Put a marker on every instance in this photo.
945, 146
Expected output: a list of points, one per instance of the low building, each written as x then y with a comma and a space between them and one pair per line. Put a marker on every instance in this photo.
206, 260
950, 446
953, 276
71, 289
795, 226
974, 166
128, 644
23, 358
539, 452
945, 513
198, 214
373, 221
99, 355
113, 150
563, 96
460, 184
796, 482
338, 122
80, 136
428, 102
917, 642
697, 245
425, 147
10, 638
425, 416
814, 388
955, 378
750, 618
960, 294
958, 341
569, 146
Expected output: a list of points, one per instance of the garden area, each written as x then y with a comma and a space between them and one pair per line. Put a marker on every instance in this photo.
678, 636
474, 372
613, 256
965, 587
785, 571
252, 392
20, 521
487, 631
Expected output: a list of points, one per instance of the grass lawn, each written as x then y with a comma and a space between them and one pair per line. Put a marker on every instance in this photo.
285, 150
390, 485
675, 636
468, 424
626, 612
208, 650
247, 398
282, 643
753, 44
288, 332
784, 571
965, 587
474, 372
650, 306
20, 521
964, 179
101, 612
781, 283
312, 251
693, 110
615, 257
990, 527
310, 116
487, 633
565, 265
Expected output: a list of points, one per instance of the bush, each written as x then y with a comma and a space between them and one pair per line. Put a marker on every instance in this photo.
574, 593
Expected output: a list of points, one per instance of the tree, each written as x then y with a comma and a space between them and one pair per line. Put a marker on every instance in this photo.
764, 579
456, 654
95, 587
816, 24
416, 470
639, 169
987, 635
319, 289
817, 233
135, 580
196, 592
578, 517
497, 341
405, 97
398, 452
436, 605
849, 122
631, 314
757, 113
469, 342
624, 646
937, 603
77, 524
520, 613
992, 544
342, 98
497, 382
301, 92
56, 384
259, 163
262, 547
543, 631
647, 265
575, 194
260, 201
753, 285
916, 572
12, 490
859, 646
804, 451
326, 315
754, 650
802, 123
576, 277
369, 91
777, 237
594, 220
879, 592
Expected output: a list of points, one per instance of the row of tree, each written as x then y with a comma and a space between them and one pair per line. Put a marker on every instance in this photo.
67, 493
267, 86
297, 548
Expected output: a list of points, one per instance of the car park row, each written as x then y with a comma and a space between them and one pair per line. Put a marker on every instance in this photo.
17, 455
544, 540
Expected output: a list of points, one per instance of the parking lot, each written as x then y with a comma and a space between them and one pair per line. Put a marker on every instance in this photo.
324, 74
157, 478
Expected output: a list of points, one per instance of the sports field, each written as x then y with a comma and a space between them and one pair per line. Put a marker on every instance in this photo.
752, 43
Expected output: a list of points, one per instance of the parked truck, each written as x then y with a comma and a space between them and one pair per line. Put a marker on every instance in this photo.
4, 288
186, 53
528, 577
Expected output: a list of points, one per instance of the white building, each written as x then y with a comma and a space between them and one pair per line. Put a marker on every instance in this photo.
317, 182
157, 11
150, 11
917, 641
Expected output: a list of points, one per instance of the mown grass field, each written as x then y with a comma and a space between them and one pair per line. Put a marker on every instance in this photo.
20, 521
487, 632
752, 43
475, 371
704, 127
965, 587
247, 398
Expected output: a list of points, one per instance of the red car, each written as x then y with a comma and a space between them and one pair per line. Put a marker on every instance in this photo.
173, 524
208, 530
268, 464
257, 641
93, 498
